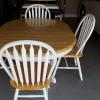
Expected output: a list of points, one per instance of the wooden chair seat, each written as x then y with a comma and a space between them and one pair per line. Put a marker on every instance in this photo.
83, 33
72, 54
28, 72
30, 87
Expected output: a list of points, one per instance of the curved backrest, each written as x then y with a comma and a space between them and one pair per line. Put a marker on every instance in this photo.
84, 31
37, 11
31, 62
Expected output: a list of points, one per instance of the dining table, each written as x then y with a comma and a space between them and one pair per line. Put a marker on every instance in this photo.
57, 34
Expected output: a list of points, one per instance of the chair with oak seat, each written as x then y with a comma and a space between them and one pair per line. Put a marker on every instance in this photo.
31, 66
37, 11
82, 34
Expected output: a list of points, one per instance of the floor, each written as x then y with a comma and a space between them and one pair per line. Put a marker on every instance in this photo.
69, 86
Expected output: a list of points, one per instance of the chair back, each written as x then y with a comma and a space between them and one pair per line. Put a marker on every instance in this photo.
84, 31
30, 62
37, 11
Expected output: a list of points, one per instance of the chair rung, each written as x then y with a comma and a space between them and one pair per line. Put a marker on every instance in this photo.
67, 67
30, 96
3, 68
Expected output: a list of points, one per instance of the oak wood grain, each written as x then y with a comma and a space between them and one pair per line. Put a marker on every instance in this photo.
57, 34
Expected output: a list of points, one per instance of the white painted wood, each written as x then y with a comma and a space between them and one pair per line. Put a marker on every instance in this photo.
32, 64
83, 33
17, 61
24, 59
52, 70
75, 61
37, 8
45, 94
45, 67
79, 68
39, 12
68, 67
57, 64
87, 25
42, 13
66, 62
12, 66
36, 12
5, 67
16, 94
45, 14
30, 14
39, 65
30, 96
49, 55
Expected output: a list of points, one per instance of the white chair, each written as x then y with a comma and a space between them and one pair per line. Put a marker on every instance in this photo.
37, 11
31, 66
82, 34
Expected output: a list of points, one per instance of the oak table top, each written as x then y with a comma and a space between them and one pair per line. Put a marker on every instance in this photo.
55, 33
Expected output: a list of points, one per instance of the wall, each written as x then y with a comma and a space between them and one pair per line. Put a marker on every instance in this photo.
72, 8
95, 10
1, 12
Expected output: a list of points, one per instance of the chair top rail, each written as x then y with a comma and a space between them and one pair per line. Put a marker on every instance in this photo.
85, 27
27, 42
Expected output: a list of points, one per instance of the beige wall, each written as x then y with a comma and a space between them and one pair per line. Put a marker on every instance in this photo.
73, 7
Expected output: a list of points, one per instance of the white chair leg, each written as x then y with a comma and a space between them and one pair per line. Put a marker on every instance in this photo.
45, 93
54, 73
47, 90
16, 94
75, 61
61, 16
79, 67
66, 62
